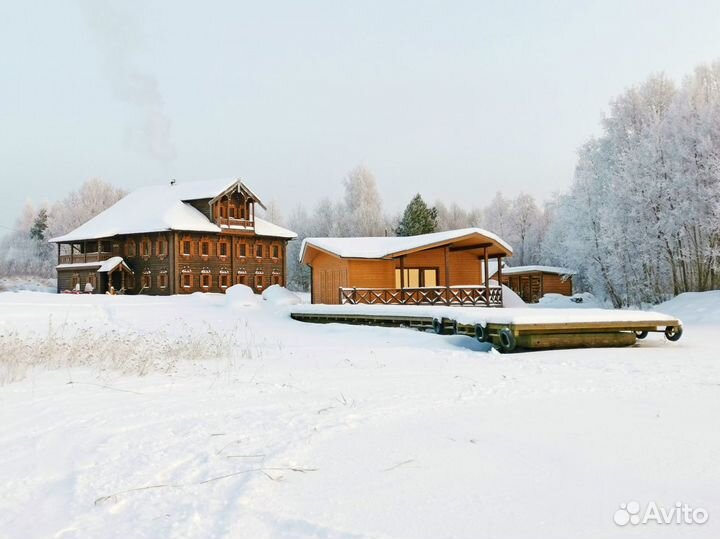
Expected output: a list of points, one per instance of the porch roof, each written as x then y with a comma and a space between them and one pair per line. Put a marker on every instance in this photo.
103, 266
393, 247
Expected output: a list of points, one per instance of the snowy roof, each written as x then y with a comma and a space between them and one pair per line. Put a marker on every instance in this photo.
544, 269
387, 247
112, 263
102, 267
163, 207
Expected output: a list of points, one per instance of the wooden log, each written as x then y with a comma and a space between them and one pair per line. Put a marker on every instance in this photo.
546, 341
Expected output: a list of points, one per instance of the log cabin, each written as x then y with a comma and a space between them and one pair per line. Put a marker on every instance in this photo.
533, 282
175, 239
450, 268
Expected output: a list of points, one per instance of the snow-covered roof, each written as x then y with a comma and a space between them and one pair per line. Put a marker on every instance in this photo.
112, 263
387, 247
160, 208
544, 269
102, 267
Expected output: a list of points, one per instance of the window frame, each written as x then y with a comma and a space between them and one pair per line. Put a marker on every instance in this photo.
204, 244
189, 277
161, 242
145, 248
204, 276
259, 247
162, 280
188, 243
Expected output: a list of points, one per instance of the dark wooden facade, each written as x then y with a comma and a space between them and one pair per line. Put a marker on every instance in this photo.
532, 285
179, 262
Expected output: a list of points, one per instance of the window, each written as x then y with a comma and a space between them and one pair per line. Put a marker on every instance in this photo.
146, 280
186, 247
130, 248
242, 212
222, 248
162, 280
241, 279
275, 279
258, 250
275, 251
205, 248
92, 279
205, 280
222, 211
187, 280
161, 247
75, 280
258, 281
145, 247
224, 280
232, 212
417, 278
242, 250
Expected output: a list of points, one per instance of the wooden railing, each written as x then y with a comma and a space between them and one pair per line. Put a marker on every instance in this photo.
232, 221
460, 295
79, 258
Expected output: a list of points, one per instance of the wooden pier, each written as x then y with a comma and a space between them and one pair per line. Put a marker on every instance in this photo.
510, 336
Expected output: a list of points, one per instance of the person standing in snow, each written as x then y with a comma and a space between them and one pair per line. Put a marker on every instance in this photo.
89, 288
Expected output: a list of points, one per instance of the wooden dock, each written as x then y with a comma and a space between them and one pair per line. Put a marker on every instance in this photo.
510, 336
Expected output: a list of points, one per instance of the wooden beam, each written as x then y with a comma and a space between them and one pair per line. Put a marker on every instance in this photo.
402, 272
446, 252
487, 276
471, 247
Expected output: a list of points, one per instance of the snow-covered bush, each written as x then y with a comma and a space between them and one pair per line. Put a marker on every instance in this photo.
277, 295
511, 299
240, 295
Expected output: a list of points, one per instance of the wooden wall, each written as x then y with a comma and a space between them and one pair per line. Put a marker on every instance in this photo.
531, 286
329, 274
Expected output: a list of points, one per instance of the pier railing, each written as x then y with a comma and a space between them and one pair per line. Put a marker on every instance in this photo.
453, 295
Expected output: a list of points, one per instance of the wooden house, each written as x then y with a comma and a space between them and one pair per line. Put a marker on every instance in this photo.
533, 282
441, 268
175, 239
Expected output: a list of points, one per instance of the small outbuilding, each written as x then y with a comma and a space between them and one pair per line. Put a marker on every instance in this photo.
533, 282
448, 268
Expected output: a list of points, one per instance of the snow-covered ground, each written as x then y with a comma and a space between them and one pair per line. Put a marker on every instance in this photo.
210, 416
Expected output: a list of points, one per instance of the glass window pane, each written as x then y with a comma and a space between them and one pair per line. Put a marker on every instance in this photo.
430, 276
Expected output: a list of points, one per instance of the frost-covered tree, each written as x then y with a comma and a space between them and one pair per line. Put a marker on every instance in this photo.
362, 214
646, 194
417, 218
78, 207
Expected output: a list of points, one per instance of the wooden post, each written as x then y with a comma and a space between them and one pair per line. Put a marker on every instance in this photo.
122, 280
446, 252
487, 276
85, 250
227, 211
402, 272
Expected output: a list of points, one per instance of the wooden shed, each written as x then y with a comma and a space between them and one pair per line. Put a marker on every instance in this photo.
448, 268
533, 282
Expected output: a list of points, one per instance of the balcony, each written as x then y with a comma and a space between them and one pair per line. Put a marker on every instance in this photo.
232, 222
81, 258
474, 296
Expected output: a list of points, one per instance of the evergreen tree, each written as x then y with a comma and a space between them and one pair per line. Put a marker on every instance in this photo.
40, 225
418, 218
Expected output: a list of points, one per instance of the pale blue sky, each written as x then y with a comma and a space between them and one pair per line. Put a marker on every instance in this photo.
452, 99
